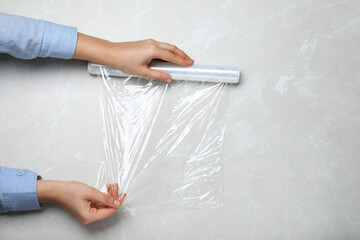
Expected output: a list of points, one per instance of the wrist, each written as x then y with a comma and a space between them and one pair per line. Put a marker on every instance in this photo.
48, 191
107, 54
94, 49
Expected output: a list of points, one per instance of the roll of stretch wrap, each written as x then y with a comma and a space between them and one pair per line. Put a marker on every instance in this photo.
195, 72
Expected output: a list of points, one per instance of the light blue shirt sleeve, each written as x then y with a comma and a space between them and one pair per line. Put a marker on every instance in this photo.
18, 190
28, 38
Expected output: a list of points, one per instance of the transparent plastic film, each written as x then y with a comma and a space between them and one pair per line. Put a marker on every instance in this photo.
163, 142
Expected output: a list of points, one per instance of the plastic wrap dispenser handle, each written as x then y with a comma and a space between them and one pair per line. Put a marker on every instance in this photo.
195, 72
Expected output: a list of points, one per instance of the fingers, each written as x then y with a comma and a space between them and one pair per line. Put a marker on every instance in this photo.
113, 189
106, 199
168, 53
116, 190
174, 50
102, 205
102, 213
157, 75
108, 188
122, 198
99, 214
169, 56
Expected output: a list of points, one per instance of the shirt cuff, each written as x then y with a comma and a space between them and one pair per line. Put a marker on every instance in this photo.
18, 190
58, 41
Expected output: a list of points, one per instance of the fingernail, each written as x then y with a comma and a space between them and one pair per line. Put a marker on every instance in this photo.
168, 80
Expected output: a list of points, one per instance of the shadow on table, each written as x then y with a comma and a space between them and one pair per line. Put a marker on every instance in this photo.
90, 228
39, 64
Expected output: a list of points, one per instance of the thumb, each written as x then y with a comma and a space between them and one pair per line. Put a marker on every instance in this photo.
105, 199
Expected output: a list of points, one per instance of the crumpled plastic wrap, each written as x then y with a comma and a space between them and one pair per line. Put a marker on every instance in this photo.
163, 142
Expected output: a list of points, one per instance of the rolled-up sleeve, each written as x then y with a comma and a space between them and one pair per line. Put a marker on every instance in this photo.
18, 190
29, 38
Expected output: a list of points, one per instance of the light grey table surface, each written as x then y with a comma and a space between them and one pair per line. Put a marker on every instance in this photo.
291, 166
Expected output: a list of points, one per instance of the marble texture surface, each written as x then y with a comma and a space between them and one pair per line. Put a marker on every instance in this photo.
290, 163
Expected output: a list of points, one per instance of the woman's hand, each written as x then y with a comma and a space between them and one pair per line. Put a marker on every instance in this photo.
134, 57
86, 203
131, 57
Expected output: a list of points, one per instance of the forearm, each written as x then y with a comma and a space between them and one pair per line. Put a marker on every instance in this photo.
93, 49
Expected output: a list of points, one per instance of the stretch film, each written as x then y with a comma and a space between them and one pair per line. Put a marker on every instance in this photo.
163, 142
195, 72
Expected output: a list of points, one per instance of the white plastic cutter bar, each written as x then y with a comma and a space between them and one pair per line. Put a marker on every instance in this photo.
195, 72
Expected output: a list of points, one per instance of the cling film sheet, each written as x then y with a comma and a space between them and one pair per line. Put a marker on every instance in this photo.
163, 142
